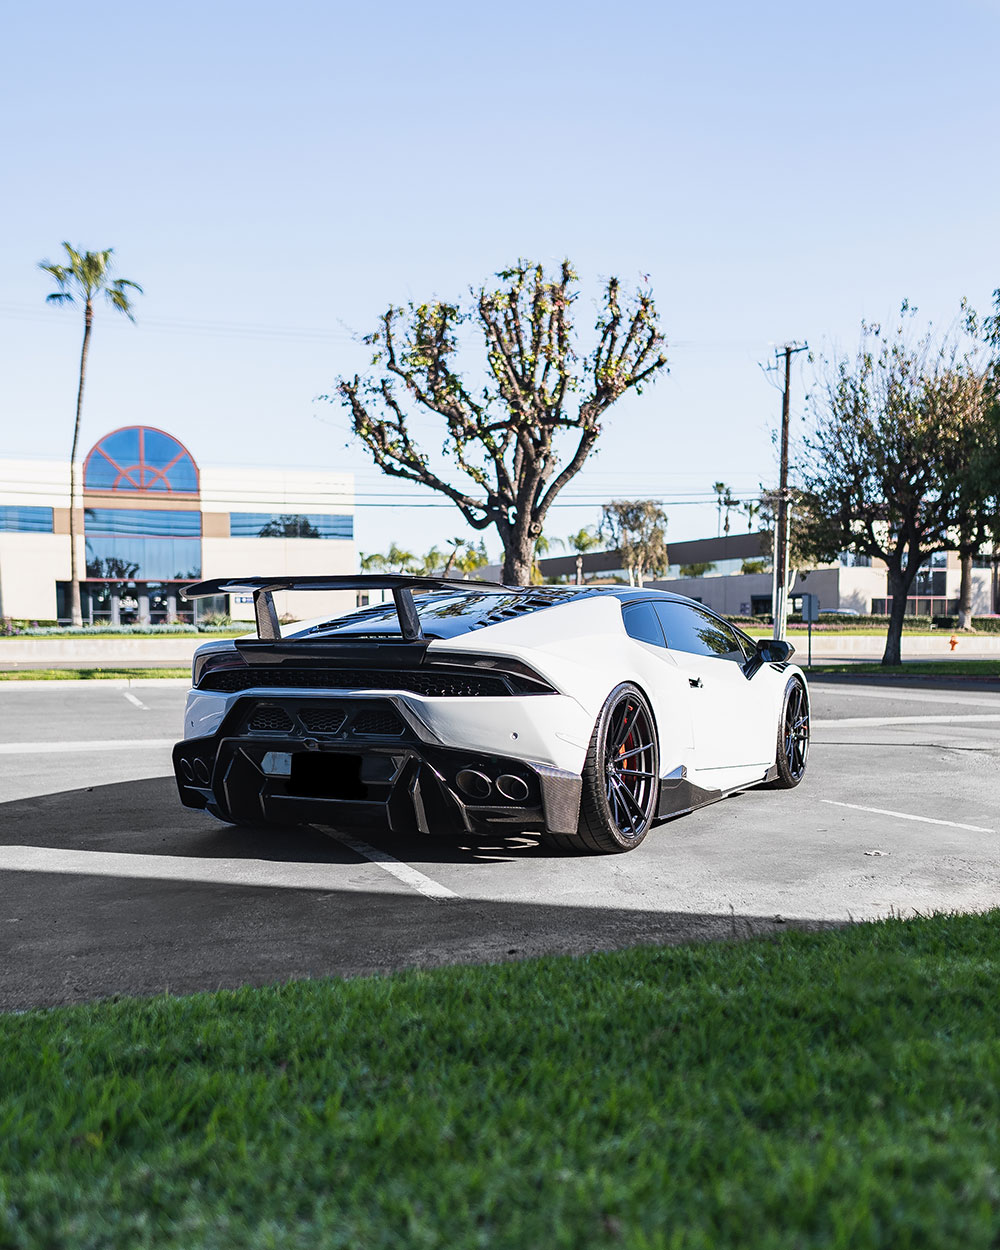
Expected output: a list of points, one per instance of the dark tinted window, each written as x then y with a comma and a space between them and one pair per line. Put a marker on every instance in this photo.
688, 628
450, 613
642, 624
289, 525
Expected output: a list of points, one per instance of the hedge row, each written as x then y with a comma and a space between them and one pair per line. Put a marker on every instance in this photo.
984, 624
36, 629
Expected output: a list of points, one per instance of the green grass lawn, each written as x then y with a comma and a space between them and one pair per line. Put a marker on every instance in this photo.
88, 674
826, 1090
912, 668
844, 631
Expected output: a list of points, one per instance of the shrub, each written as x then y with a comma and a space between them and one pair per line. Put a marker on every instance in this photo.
984, 624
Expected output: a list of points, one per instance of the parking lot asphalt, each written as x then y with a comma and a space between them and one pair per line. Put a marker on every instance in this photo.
108, 886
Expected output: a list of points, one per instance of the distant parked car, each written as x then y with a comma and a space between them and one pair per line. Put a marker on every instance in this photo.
586, 714
839, 612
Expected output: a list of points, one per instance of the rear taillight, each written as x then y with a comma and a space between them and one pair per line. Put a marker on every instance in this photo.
215, 660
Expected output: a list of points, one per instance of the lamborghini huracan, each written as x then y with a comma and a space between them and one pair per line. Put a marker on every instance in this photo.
586, 714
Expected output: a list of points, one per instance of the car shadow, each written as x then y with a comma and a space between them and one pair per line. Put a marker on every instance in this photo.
204, 906
146, 817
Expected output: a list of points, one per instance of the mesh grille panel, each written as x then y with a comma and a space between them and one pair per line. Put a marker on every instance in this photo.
379, 723
272, 719
318, 721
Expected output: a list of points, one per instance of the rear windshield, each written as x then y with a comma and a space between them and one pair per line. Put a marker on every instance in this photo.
445, 613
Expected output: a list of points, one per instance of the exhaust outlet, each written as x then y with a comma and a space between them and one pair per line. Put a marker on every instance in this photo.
474, 784
512, 787
201, 772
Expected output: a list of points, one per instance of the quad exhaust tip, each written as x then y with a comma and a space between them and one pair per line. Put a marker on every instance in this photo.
477, 785
512, 787
474, 784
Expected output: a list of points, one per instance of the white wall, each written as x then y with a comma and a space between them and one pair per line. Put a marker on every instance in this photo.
283, 557
30, 566
276, 490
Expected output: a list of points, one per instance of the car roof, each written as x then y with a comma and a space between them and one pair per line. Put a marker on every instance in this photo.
454, 611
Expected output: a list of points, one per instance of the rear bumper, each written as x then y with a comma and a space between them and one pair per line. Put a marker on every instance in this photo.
347, 776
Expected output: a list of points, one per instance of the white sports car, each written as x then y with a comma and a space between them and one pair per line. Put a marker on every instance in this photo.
585, 714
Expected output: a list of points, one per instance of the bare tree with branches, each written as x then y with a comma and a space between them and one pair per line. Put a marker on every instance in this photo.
638, 530
902, 460
506, 436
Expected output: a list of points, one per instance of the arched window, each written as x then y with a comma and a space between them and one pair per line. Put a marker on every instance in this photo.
140, 458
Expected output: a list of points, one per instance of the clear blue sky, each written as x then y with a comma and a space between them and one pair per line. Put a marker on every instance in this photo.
275, 175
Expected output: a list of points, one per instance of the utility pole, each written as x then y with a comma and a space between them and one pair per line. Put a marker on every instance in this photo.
783, 520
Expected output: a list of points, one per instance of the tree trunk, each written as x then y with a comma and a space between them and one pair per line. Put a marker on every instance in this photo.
75, 609
899, 587
965, 593
518, 558
579, 570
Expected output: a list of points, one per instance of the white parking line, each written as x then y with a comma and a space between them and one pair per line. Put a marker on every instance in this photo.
99, 744
926, 820
395, 867
256, 873
888, 694
848, 722
134, 701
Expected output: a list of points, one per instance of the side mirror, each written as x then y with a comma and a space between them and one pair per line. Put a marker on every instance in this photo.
772, 651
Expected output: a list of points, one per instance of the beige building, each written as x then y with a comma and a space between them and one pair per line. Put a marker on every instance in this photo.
852, 584
151, 520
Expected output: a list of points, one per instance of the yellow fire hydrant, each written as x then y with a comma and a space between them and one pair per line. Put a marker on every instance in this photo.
953, 642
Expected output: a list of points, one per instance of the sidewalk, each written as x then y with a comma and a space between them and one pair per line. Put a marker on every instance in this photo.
145, 652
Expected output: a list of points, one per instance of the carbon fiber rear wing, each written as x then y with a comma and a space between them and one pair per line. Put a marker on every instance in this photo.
263, 588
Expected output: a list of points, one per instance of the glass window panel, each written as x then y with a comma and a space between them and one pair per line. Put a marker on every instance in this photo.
159, 448
137, 458
289, 525
183, 476
16, 519
124, 557
102, 474
642, 623
142, 521
689, 629
122, 446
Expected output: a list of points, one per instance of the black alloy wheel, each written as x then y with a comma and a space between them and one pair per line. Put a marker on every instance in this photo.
793, 737
621, 778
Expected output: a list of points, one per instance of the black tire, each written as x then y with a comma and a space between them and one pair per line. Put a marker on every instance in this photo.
793, 737
621, 778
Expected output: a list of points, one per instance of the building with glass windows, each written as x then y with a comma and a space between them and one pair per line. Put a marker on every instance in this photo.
152, 520
732, 575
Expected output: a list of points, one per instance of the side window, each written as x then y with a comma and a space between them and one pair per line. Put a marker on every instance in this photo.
689, 629
641, 623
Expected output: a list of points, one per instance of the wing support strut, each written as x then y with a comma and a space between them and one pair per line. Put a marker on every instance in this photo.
402, 587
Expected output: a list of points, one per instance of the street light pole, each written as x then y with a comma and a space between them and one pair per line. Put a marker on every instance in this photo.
783, 519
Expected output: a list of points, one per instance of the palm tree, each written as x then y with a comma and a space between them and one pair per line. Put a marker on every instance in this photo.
472, 558
87, 276
431, 562
582, 541
543, 546
751, 509
721, 490
456, 545
398, 560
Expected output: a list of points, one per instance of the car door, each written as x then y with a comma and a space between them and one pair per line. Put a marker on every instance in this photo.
665, 684
728, 715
